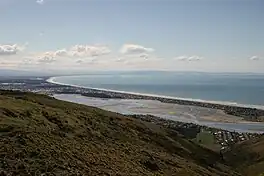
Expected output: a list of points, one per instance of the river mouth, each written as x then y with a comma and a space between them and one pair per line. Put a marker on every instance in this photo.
183, 113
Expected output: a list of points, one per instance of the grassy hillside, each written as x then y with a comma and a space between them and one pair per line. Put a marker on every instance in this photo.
41, 135
248, 157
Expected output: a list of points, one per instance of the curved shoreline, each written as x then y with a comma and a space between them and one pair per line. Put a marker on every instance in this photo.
234, 104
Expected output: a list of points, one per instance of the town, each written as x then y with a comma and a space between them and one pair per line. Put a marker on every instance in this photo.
214, 138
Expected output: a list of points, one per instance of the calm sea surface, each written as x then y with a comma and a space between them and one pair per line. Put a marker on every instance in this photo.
239, 88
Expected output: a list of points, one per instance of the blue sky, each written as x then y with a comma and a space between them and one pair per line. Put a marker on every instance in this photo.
195, 35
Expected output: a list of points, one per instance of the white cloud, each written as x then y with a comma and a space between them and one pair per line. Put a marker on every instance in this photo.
189, 58
135, 49
195, 58
10, 49
61, 53
88, 51
46, 58
254, 58
40, 2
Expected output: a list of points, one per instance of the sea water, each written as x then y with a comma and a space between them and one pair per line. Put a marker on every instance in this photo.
221, 87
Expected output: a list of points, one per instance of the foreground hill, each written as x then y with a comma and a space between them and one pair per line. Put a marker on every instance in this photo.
41, 135
248, 157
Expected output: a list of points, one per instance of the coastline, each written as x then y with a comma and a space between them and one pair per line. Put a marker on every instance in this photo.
217, 116
223, 103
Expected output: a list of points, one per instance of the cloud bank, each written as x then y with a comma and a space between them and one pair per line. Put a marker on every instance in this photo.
101, 57
76, 51
81, 51
87, 51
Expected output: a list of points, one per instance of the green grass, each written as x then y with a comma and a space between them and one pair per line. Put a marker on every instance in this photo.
205, 138
41, 135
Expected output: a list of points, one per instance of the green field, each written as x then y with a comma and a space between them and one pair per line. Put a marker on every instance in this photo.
205, 138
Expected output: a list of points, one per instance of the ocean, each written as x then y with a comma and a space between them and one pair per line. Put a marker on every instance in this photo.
247, 89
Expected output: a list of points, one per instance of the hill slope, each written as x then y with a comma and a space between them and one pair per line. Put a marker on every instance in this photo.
248, 157
41, 135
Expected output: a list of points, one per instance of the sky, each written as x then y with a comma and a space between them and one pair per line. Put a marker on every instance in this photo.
178, 35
